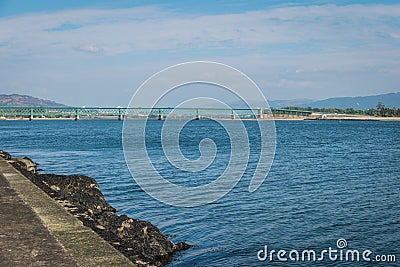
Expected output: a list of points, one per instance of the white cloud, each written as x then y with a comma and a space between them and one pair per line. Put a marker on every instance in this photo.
147, 29
317, 41
91, 48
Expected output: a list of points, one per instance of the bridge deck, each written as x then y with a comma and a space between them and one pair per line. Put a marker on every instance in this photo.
158, 112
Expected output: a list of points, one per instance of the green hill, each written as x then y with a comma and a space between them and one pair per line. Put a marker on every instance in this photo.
391, 100
25, 100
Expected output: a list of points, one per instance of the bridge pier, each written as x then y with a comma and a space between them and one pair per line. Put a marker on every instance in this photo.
233, 116
30, 114
260, 113
120, 115
76, 115
160, 115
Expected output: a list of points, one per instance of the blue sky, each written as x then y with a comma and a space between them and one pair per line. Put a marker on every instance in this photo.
99, 52
16, 7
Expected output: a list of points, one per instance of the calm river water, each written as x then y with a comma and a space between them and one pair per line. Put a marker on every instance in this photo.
330, 180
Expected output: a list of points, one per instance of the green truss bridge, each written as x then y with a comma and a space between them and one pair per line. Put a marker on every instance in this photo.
120, 113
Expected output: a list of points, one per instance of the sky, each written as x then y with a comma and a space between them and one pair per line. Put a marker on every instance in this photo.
97, 53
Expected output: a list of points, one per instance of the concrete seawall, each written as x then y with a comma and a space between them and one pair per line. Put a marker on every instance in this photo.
37, 231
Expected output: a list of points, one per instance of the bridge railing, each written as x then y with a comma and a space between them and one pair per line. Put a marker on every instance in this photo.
143, 112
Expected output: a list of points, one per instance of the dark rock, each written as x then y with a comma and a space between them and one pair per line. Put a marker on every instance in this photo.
81, 191
140, 241
26, 164
5, 155
182, 246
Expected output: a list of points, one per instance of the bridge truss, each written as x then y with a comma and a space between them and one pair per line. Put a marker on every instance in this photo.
120, 113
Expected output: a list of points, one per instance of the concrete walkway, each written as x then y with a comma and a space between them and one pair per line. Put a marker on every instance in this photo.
37, 231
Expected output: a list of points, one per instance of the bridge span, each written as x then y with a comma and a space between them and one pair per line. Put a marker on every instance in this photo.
76, 113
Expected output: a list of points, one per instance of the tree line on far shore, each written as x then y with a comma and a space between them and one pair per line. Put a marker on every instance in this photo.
379, 111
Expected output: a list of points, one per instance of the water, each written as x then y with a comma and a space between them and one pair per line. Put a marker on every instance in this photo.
329, 180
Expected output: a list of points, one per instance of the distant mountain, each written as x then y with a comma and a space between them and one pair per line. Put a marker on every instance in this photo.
25, 100
271, 103
360, 102
289, 103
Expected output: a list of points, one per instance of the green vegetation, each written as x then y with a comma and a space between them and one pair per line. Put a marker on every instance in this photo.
25, 101
380, 111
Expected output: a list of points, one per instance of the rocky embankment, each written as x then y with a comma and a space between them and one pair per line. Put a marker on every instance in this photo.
140, 241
